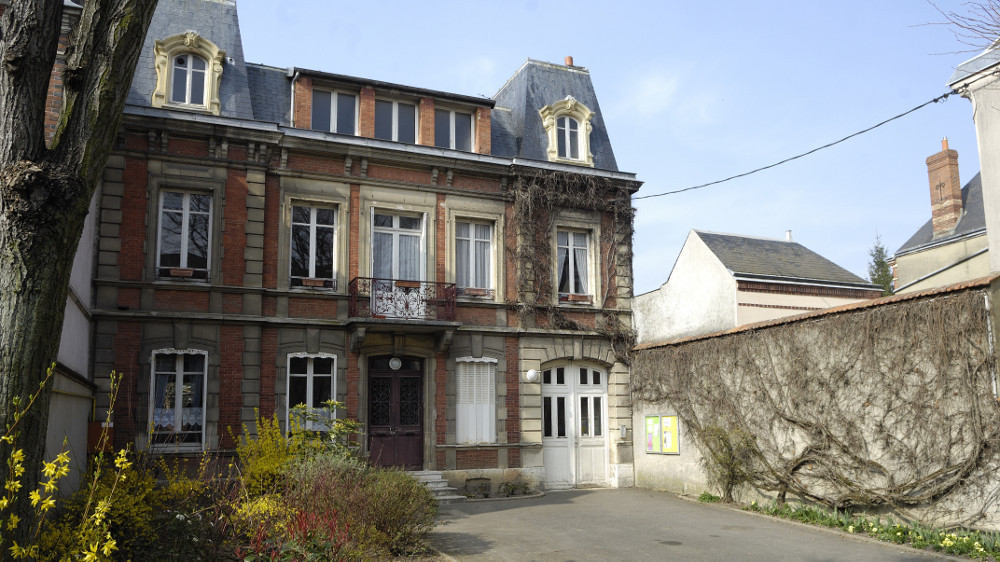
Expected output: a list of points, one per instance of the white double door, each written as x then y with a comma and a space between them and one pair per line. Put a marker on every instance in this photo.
574, 426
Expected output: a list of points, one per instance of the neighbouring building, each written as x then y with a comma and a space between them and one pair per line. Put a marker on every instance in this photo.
724, 280
952, 246
455, 269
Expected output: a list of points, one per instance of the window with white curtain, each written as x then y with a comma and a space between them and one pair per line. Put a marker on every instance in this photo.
396, 247
184, 235
311, 383
473, 255
312, 247
177, 400
571, 255
476, 400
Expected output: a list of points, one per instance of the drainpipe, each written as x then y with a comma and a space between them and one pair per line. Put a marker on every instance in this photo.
989, 339
294, 75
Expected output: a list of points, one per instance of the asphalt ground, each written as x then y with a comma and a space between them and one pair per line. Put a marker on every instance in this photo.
637, 524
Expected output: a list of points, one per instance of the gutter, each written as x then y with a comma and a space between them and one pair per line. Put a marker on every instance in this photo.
943, 269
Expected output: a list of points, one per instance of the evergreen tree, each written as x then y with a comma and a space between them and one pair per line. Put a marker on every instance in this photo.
879, 271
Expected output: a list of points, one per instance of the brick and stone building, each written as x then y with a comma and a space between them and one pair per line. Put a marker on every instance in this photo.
265, 237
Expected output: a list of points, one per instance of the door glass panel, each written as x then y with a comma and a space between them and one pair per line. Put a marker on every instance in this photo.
560, 376
597, 377
381, 400
584, 416
583, 376
597, 415
547, 376
409, 401
561, 416
547, 416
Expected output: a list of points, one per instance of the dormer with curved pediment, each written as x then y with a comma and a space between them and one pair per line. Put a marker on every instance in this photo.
567, 125
188, 73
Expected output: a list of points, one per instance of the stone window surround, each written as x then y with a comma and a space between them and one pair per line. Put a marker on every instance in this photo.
568, 107
188, 43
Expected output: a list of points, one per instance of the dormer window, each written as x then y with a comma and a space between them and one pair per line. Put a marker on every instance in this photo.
453, 129
188, 81
188, 73
567, 124
568, 138
396, 121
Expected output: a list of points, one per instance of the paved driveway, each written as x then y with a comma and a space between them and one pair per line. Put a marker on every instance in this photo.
635, 524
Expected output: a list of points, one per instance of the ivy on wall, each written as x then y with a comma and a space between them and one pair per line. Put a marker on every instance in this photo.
538, 198
888, 408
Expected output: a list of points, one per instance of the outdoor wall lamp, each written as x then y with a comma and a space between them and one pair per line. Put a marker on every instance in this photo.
531, 375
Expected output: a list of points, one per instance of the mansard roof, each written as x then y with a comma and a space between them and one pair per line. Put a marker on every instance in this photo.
517, 127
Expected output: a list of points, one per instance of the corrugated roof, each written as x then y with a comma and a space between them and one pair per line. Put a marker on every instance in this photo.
769, 257
538, 84
972, 221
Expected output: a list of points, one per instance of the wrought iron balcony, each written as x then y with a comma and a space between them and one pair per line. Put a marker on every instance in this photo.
404, 300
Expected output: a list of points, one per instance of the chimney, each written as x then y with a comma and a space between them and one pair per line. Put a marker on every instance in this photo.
788, 236
946, 190
569, 61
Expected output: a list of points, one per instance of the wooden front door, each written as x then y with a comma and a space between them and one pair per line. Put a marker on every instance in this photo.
395, 413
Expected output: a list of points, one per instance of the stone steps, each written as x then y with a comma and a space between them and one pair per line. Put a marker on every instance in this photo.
438, 486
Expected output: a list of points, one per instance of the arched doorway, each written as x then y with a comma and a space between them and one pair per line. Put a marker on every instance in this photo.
574, 426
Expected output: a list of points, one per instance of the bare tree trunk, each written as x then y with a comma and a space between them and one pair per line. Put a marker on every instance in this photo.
45, 192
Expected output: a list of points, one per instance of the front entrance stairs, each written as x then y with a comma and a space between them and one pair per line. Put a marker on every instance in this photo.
438, 486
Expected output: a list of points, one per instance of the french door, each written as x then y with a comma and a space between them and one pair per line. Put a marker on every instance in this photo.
574, 426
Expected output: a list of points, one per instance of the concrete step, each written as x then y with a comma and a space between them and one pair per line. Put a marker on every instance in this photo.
438, 486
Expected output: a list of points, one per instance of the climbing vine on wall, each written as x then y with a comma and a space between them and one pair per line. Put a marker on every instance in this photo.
539, 197
888, 407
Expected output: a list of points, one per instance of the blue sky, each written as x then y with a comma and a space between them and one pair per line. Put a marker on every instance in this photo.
692, 92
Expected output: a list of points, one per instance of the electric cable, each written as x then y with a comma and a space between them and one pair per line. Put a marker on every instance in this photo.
938, 99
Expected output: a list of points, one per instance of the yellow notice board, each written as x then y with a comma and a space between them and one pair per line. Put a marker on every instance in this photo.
662, 435
668, 431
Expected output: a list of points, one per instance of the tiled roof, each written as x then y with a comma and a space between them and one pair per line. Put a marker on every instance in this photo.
772, 258
972, 221
982, 282
270, 93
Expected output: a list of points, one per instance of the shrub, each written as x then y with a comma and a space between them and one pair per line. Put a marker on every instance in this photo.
729, 457
387, 511
706, 497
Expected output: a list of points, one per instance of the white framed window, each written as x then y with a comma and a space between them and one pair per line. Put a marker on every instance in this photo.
567, 125
474, 258
188, 73
184, 237
568, 138
187, 85
398, 246
336, 112
476, 400
453, 129
312, 382
177, 398
313, 242
572, 257
396, 121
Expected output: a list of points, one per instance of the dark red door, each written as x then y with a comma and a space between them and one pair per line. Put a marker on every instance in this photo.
395, 414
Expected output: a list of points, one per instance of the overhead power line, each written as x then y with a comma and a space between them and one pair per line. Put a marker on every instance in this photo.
940, 98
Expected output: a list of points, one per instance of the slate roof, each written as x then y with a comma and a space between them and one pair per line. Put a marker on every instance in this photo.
520, 134
270, 93
972, 221
216, 21
766, 258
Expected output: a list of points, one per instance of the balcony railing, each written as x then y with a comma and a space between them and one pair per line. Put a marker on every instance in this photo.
405, 300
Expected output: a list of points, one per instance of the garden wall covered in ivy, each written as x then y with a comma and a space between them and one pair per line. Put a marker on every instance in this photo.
887, 406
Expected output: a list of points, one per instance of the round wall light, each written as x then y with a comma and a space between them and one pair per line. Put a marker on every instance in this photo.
531, 375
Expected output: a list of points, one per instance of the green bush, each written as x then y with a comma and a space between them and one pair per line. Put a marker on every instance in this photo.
387, 511
729, 456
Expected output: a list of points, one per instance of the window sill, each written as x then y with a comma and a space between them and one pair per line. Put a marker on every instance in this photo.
313, 284
476, 293
181, 274
575, 299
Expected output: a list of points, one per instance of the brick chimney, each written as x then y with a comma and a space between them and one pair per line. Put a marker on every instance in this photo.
946, 190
